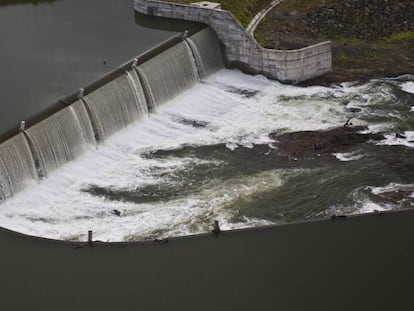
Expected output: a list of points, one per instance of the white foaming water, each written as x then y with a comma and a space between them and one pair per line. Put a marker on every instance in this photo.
407, 139
392, 187
371, 207
233, 108
364, 203
375, 104
408, 87
350, 156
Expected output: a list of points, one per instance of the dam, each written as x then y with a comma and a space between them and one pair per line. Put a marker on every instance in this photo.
62, 45
153, 153
99, 113
128, 155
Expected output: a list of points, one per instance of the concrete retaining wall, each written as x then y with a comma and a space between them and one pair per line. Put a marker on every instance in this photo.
241, 49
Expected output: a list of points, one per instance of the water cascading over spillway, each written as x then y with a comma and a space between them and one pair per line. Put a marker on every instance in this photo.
207, 52
169, 73
17, 168
67, 134
235, 148
116, 105
61, 138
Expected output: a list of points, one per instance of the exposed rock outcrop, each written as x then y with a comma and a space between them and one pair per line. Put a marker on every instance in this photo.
364, 19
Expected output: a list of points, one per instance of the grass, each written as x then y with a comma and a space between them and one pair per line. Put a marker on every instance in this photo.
343, 58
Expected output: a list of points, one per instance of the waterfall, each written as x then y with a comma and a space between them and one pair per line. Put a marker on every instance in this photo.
61, 138
17, 169
207, 52
116, 105
138, 92
169, 73
67, 134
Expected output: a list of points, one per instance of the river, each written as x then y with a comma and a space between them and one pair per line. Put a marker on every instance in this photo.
212, 154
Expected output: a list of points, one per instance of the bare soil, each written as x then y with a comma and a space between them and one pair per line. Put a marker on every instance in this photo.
369, 38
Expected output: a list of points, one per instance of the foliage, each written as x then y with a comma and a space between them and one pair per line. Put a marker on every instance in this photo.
342, 58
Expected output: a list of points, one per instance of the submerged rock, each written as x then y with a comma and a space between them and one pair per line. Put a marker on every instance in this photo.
317, 143
397, 196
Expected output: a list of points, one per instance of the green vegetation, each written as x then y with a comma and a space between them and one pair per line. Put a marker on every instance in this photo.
342, 58
243, 10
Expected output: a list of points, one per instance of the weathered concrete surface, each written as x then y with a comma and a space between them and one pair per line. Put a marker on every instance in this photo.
208, 4
241, 49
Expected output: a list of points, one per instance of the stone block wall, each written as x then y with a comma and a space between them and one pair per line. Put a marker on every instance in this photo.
241, 49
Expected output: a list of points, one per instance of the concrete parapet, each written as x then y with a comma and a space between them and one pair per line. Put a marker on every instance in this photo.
241, 49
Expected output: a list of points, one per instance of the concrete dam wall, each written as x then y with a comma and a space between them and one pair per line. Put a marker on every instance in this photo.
105, 107
241, 49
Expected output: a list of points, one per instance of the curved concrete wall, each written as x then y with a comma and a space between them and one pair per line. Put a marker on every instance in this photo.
241, 49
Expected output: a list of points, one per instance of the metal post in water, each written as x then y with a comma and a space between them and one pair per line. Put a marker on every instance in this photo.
134, 63
216, 229
81, 92
90, 237
22, 126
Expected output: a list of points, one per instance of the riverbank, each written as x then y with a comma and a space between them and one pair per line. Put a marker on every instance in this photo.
370, 39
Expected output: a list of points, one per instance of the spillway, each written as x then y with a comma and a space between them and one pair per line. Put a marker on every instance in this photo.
104, 111
207, 52
169, 74
116, 105
207, 155
17, 169
61, 138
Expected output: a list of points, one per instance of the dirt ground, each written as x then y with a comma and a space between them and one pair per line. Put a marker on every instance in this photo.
369, 40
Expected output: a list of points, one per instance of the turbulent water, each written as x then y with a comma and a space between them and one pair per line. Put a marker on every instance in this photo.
176, 171
60, 138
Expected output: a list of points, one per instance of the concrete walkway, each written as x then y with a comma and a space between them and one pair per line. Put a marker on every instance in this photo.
258, 18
